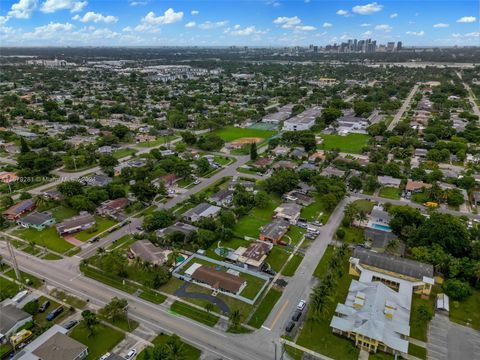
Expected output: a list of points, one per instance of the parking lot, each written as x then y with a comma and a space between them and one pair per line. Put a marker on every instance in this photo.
450, 341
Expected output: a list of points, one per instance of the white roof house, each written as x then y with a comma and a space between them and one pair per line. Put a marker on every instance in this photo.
373, 310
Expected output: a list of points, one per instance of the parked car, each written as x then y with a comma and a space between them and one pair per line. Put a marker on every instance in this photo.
53, 314
296, 315
105, 356
44, 306
301, 305
70, 324
131, 354
290, 326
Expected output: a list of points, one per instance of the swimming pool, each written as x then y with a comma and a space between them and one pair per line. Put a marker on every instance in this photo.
381, 227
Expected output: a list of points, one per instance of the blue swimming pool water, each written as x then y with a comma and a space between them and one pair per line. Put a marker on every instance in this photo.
382, 227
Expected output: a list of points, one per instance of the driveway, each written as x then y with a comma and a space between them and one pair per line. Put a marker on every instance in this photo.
450, 341
183, 293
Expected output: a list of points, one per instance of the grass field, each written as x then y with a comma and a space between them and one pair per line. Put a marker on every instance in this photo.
277, 257
264, 309
9, 288
466, 312
152, 296
194, 313
103, 340
352, 143
322, 265
47, 237
364, 205
390, 193
418, 328
28, 279
69, 299
417, 351
102, 225
118, 154
189, 352
250, 224
159, 141
41, 318
312, 212
292, 265
353, 235
233, 133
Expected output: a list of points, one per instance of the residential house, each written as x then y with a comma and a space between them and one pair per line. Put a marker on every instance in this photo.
281, 150
53, 344
249, 186
289, 211
140, 138
75, 224
298, 153
416, 186
53, 195
421, 153
394, 271
274, 231
145, 250
178, 227
317, 157
253, 256
105, 150
223, 197
215, 280
96, 180
11, 319
7, 177
375, 317
16, 211
112, 207
203, 210
37, 220
476, 198
379, 216
284, 164
379, 240
307, 166
330, 171
388, 181
298, 197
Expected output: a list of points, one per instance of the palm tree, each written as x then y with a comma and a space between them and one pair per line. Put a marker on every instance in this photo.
175, 349
234, 318
40, 201
392, 246
351, 211
208, 307
361, 216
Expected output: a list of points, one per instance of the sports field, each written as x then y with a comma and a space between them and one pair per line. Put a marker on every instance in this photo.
233, 133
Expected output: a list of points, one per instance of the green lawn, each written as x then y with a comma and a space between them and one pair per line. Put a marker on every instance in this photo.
418, 328
233, 133
9, 288
190, 352
102, 225
417, 351
365, 205
312, 212
254, 284
152, 296
61, 213
223, 160
292, 265
69, 299
318, 336
264, 308
467, 311
294, 235
352, 143
47, 237
51, 256
390, 193
277, 257
233, 243
41, 318
118, 154
323, 264
107, 279
353, 235
194, 313
104, 339
127, 325
28, 279
250, 224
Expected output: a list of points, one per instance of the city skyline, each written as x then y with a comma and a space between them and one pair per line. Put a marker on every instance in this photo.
242, 23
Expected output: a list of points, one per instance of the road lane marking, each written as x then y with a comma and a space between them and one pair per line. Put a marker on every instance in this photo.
282, 309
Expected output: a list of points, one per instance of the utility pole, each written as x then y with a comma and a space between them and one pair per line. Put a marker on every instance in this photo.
14, 260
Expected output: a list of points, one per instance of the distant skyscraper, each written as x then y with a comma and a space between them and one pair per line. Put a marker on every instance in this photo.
399, 46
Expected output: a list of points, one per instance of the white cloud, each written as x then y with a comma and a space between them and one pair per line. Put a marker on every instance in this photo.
368, 33
190, 24
138, 3
467, 19
49, 31
96, 18
23, 9
383, 27
365, 25
249, 30
273, 3
456, 35
415, 33
473, 34
441, 25
342, 12
327, 25
207, 25
194, 12
168, 17
305, 28
393, 16
4, 19
50, 6
287, 22
367, 9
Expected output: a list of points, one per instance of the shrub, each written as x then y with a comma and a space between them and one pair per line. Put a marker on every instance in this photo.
340, 233
457, 289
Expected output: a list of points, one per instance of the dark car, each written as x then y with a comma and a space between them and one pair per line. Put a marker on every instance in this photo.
44, 306
53, 314
290, 326
296, 315
70, 324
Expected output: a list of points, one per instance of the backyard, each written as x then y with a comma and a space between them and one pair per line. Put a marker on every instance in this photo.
352, 143
103, 340
316, 211
250, 224
466, 312
48, 238
102, 225
390, 193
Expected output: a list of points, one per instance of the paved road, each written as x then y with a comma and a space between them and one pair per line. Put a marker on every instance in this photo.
404, 107
471, 96
450, 341
415, 205
300, 285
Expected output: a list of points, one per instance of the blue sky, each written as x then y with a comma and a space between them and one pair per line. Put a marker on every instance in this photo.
237, 22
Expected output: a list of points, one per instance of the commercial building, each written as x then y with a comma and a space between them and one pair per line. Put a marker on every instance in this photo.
281, 115
303, 121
